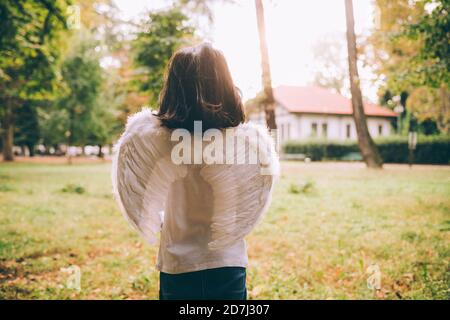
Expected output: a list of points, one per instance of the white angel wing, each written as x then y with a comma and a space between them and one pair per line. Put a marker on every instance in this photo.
242, 192
142, 172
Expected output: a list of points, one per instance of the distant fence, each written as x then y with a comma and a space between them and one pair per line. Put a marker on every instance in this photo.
429, 150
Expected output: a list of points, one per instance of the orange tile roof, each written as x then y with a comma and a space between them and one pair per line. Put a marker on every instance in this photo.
313, 99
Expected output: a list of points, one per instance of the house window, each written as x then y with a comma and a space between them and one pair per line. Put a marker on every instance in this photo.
348, 131
314, 130
380, 130
285, 131
324, 130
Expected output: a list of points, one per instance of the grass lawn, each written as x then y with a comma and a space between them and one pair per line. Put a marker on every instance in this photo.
327, 225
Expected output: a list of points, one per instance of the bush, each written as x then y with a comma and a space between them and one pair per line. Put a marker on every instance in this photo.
429, 150
73, 188
320, 149
304, 188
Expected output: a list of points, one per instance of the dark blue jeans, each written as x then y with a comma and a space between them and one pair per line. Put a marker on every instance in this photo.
227, 283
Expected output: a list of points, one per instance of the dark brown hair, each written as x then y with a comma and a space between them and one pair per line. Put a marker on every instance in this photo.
198, 87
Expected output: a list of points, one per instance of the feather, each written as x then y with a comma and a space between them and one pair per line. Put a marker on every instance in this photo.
142, 173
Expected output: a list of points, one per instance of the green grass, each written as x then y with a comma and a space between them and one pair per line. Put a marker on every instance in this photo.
327, 224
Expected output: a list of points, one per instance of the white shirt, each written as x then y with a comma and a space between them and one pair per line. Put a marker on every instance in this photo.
186, 230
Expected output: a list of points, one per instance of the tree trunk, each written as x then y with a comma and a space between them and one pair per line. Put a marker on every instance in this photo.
444, 120
8, 133
70, 140
367, 147
31, 149
100, 151
269, 103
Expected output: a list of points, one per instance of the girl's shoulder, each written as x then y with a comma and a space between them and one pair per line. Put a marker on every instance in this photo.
143, 121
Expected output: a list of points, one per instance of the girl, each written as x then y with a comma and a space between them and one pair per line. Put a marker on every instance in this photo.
205, 208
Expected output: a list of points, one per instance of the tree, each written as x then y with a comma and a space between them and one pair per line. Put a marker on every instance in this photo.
269, 101
389, 58
389, 54
331, 71
53, 124
158, 36
80, 119
103, 121
82, 77
29, 52
431, 104
27, 126
162, 34
430, 66
366, 145
119, 94
410, 53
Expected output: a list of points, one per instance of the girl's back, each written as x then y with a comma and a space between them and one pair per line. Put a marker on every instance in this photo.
206, 198
186, 231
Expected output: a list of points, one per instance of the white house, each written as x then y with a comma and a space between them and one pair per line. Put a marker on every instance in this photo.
305, 112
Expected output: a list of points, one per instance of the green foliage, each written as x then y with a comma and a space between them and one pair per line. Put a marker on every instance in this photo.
303, 188
82, 75
162, 34
317, 150
6, 188
49, 96
53, 125
83, 113
83, 78
73, 188
29, 47
104, 124
391, 54
30, 34
411, 236
430, 66
411, 55
27, 126
430, 149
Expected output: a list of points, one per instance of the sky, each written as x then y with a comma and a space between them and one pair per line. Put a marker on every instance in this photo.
293, 27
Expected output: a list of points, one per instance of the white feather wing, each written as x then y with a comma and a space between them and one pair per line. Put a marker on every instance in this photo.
242, 192
142, 172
